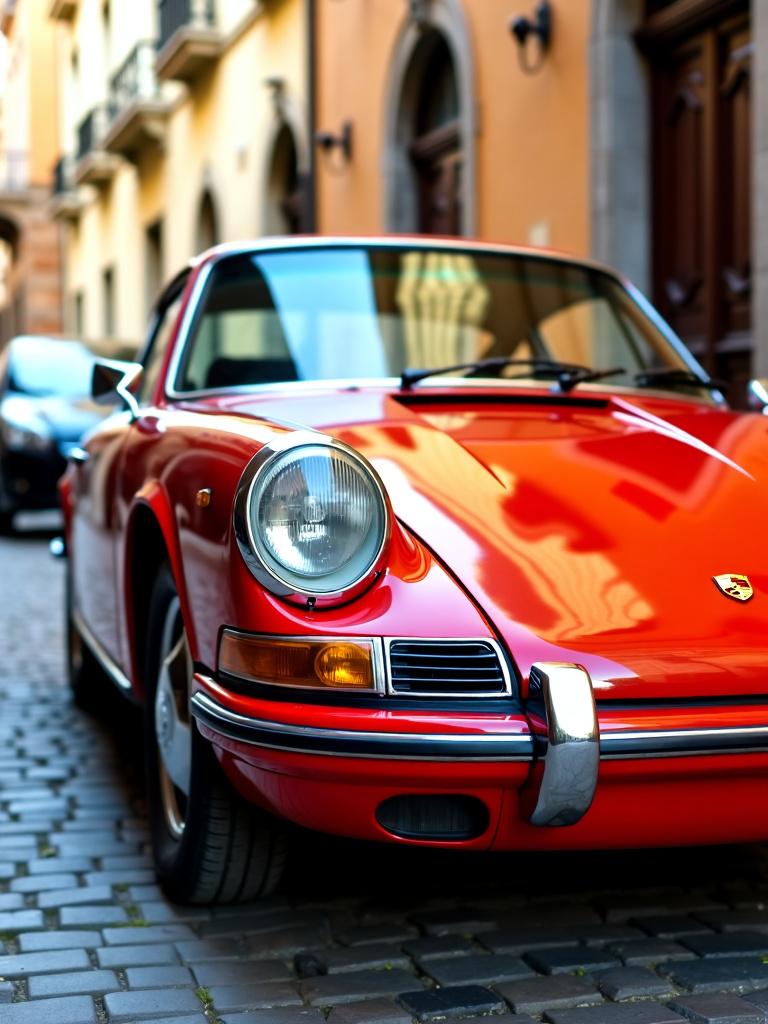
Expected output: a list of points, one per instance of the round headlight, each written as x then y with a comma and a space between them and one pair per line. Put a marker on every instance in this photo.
316, 518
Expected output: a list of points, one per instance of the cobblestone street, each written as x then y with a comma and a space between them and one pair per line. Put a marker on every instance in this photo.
355, 934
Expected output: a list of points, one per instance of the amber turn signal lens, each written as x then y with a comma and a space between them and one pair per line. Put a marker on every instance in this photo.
322, 664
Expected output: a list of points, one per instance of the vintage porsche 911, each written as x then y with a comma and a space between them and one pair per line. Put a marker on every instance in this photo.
421, 541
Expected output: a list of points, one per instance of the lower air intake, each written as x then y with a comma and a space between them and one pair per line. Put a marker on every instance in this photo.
439, 817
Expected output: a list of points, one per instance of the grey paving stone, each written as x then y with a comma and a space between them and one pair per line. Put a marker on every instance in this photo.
151, 954
34, 942
40, 883
73, 984
23, 964
6, 992
170, 976
120, 878
369, 1011
726, 973
90, 895
57, 865
7, 870
347, 988
602, 934
650, 951
570, 958
240, 972
91, 917
166, 913
253, 997
519, 940
358, 958
286, 942
438, 947
257, 924
727, 944
616, 1013
364, 934
278, 1015
669, 926
149, 1004
153, 933
11, 901
631, 982
197, 951
457, 920
458, 1001
539, 994
759, 999
476, 969
21, 921
65, 1010
718, 1008
737, 920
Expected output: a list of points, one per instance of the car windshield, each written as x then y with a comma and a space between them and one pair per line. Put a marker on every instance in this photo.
42, 367
354, 312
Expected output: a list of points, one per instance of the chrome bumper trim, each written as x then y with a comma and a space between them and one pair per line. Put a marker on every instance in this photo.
346, 743
562, 786
107, 662
747, 739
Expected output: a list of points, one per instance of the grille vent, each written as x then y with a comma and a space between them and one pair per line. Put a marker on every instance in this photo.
446, 668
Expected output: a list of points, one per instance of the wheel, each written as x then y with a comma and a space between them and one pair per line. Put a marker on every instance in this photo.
210, 846
88, 682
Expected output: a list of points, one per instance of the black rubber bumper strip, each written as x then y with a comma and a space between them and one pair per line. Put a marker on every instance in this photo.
344, 743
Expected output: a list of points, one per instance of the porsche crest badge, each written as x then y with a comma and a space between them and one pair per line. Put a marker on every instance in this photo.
734, 585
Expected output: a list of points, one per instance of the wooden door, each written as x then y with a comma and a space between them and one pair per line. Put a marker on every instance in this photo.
701, 190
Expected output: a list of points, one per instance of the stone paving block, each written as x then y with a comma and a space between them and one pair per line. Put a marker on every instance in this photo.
455, 921
726, 973
11, 901
369, 1011
519, 940
35, 942
41, 883
147, 955
286, 942
631, 982
347, 988
153, 933
602, 934
278, 1015
718, 1008
728, 944
650, 951
759, 999
570, 958
458, 1001
366, 934
149, 1004
737, 920
166, 913
358, 958
253, 997
73, 984
57, 865
170, 976
119, 878
539, 994
616, 1013
240, 972
21, 965
7, 870
438, 947
197, 951
476, 969
670, 926
6, 992
89, 894
21, 920
92, 916
64, 1010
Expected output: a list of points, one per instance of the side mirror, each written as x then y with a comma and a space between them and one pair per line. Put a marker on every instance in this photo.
757, 395
112, 380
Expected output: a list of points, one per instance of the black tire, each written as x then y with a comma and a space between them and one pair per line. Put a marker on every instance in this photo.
210, 846
88, 682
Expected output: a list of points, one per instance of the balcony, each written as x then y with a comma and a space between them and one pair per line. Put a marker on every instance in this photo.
190, 43
138, 114
95, 166
65, 200
62, 10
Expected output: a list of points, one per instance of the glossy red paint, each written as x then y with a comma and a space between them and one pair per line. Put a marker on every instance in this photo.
583, 528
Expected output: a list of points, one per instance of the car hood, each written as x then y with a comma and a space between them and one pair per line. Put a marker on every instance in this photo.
589, 530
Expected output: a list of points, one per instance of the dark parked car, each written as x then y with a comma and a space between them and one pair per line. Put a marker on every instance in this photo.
44, 410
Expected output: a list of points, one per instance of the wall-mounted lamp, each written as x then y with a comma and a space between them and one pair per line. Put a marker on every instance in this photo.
327, 141
540, 27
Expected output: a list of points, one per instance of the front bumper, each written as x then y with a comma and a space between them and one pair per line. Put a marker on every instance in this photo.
650, 776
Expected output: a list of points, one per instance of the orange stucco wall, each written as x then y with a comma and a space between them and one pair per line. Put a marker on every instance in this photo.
532, 141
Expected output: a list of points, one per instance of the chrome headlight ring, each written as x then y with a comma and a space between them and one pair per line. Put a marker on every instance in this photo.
319, 589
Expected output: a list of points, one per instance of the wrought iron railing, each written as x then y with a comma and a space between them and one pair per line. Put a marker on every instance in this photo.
14, 171
92, 130
63, 180
175, 14
134, 79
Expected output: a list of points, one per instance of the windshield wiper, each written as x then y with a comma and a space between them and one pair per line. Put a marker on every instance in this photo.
670, 377
565, 375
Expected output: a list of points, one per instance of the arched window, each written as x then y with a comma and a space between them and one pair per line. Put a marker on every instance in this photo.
284, 214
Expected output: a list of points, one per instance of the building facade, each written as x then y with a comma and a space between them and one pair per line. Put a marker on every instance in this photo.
634, 133
30, 243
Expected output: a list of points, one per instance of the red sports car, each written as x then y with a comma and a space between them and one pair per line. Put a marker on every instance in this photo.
422, 541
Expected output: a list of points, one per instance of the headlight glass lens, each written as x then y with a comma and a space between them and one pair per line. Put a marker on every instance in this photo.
317, 518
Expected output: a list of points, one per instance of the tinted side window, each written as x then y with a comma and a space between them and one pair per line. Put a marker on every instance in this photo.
157, 347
